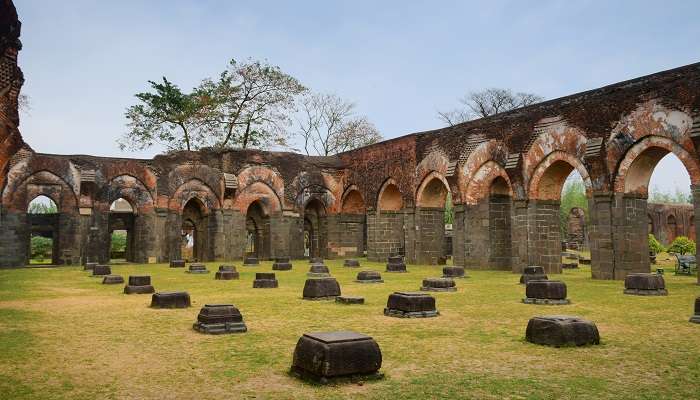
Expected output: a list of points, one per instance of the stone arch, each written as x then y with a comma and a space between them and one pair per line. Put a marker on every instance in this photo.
130, 188
480, 182
256, 175
487, 153
314, 229
258, 191
548, 178
257, 229
194, 188
194, 230
389, 197
208, 177
432, 191
19, 191
352, 201
139, 172
636, 167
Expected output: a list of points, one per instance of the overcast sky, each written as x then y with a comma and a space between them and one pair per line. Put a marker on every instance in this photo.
400, 61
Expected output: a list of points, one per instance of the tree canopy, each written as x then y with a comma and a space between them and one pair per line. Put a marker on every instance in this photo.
485, 103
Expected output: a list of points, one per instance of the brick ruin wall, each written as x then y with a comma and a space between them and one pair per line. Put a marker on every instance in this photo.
504, 174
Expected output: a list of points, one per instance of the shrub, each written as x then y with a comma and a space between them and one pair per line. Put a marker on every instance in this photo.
682, 245
655, 245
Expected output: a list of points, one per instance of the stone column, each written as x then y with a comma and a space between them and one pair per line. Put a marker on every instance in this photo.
544, 235
430, 234
600, 235
519, 232
695, 191
385, 234
476, 222
458, 235
630, 240
14, 238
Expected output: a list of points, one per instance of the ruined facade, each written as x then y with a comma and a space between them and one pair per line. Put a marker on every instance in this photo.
504, 174
667, 221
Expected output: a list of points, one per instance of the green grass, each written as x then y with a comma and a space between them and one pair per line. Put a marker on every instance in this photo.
63, 335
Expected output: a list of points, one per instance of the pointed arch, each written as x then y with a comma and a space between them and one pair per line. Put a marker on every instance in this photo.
548, 178
389, 197
433, 191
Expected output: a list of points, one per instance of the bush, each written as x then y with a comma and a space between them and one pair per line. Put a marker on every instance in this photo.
41, 248
682, 245
655, 245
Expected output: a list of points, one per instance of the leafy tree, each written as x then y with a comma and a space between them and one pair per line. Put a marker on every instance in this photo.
328, 125
573, 195
250, 105
166, 116
118, 241
41, 247
682, 245
41, 207
657, 195
485, 103
655, 245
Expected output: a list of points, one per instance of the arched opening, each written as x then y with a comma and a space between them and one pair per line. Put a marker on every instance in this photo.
500, 241
654, 177
193, 231
353, 230
257, 231
559, 184
43, 216
390, 198
121, 231
314, 235
429, 246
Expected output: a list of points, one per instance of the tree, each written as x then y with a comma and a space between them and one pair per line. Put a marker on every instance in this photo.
485, 103
657, 195
655, 245
38, 207
118, 243
167, 116
682, 245
573, 195
328, 125
41, 247
250, 105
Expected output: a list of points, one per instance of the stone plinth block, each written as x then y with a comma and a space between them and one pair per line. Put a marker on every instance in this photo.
569, 265
326, 355
227, 273
411, 305
177, 263
561, 330
642, 284
250, 261
283, 260
453, 272
139, 284
369, 277
395, 264
315, 260
318, 271
584, 261
89, 266
265, 280
170, 300
545, 292
219, 319
112, 279
438, 285
282, 265
532, 273
197, 268
321, 289
350, 300
101, 270
351, 263
696, 315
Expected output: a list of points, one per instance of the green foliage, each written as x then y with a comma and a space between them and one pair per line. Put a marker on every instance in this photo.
38, 207
573, 195
655, 245
41, 248
449, 210
682, 245
657, 195
165, 116
118, 241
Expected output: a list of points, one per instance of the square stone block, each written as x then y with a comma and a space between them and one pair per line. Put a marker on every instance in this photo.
197, 268
219, 319
250, 261
101, 270
696, 315
561, 330
545, 292
112, 279
321, 289
351, 263
177, 263
326, 355
438, 285
265, 280
644, 284
350, 300
170, 300
411, 305
369, 277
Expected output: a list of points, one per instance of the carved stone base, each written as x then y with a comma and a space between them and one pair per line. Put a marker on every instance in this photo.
646, 292
553, 302
410, 314
218, 329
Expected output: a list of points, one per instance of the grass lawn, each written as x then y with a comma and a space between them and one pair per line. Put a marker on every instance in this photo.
63, 335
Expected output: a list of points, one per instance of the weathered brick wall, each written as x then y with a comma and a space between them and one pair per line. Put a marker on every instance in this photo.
345, 235
500, 238
384, 234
